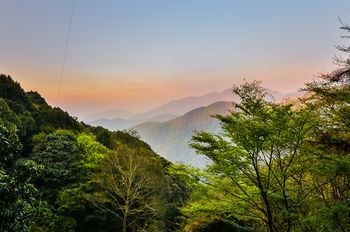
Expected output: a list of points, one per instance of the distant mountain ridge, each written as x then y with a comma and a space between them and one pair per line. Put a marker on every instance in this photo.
120, 119
175, 107
115, 124
183, 105
123, 124
111, 114
171, 138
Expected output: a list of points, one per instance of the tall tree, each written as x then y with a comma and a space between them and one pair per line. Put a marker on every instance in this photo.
260, 158
128, 187
20, 206
59, 156
331, 96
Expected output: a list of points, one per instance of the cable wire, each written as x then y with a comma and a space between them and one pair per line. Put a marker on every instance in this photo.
65, 54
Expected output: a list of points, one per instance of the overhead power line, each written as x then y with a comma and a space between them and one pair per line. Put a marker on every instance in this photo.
65, 53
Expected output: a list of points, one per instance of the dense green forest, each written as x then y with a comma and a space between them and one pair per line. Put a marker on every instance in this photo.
274, 167
58, 174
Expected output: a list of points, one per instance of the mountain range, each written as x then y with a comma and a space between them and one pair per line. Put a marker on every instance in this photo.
116, 124
170, 139
121, 119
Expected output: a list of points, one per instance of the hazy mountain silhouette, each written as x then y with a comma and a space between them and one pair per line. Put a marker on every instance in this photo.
111, 114
170, 138
122, 124
116, 123
183, 105
120, 119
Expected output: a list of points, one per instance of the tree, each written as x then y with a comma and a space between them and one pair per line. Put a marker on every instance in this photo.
10, 208
20, 206
260, 159
72, 201
60, 157
92, 151
128, 187
13, 94
331, 97
10, 145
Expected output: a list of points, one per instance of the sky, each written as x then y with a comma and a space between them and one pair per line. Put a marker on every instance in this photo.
136, 55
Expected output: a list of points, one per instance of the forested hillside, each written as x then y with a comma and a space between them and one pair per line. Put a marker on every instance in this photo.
58, 174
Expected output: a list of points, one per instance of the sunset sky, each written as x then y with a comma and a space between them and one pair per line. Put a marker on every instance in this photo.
135, 55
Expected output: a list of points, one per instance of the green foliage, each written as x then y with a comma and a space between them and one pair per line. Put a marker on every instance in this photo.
19, 203
128, 187
59, 156
31, 113
104, 137
334, 217
55, 167
6, 114
37, 100
15, 204
92, 151
207, 224
331, 97
13, 94
263, 167
10, 146
72, 201
126, 138
50, 119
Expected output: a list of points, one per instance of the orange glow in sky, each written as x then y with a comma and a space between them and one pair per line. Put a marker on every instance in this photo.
138, 55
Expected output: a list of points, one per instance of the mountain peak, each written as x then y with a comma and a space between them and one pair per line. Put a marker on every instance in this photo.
171, 138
